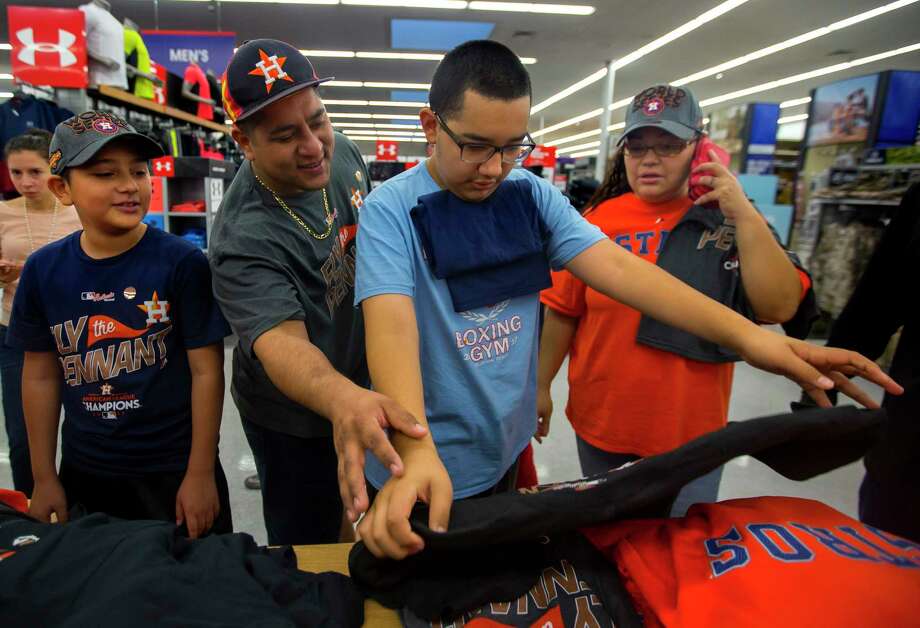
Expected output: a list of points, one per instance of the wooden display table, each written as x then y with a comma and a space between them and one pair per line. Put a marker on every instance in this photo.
334, 557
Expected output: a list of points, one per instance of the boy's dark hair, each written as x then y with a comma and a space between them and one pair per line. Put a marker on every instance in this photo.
487, 67
37, 140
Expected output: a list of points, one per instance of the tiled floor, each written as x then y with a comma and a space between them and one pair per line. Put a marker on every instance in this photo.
755, 394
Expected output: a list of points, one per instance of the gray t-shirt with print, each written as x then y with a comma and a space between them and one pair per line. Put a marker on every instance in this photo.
268, 269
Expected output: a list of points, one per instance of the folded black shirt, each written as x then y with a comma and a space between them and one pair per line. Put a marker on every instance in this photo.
100, 571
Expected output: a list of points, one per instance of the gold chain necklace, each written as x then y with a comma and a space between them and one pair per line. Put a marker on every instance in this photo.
330, 220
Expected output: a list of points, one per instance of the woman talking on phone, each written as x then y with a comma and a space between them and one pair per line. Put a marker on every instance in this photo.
27, 223
638, 387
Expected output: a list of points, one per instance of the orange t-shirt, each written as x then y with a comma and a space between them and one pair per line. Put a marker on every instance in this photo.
767, 561
625, 397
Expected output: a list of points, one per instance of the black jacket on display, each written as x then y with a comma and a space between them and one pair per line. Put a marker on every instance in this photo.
491, 550
701, 252
99, 571
885, 300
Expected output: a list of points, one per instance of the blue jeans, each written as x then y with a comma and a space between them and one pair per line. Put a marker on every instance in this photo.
704, 489
11, 381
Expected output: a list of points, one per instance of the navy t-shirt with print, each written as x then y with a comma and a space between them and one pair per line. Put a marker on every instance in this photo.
121, 327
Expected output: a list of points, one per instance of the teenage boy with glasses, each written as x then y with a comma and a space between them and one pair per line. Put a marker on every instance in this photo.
448, 280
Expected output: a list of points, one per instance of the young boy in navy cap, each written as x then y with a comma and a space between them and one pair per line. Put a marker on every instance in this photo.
120, 327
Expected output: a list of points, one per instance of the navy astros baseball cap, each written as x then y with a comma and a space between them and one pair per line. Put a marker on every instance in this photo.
77, 140
261, 72
669, 108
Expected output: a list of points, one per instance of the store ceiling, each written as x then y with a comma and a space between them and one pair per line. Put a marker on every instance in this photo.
567, 48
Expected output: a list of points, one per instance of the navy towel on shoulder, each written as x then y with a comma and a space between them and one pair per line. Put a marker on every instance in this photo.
488, 251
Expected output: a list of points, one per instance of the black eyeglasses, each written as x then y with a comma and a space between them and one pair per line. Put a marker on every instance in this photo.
665, 149
479, 153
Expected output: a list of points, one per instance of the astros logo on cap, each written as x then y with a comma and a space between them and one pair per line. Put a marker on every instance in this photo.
653, 107
272, 68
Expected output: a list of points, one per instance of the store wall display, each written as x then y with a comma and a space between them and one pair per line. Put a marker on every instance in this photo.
176, 49
105, 43
726, 128
141, 74
900, 118
842, 112
748, 132
762, 128
49, 46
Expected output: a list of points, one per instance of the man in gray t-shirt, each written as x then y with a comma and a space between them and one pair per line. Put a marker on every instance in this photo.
283, 258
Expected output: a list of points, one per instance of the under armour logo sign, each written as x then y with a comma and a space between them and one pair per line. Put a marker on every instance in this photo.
386, 149
26, 37
162, 166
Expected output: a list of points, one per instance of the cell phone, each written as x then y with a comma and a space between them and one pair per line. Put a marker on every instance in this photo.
701, 156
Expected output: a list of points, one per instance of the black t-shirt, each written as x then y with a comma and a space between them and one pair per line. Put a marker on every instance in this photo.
268, 270
121, 327
105, 572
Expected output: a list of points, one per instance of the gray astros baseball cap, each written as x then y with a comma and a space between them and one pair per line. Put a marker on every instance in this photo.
78, 139
669, 108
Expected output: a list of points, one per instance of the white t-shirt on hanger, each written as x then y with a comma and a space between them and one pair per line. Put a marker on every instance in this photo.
105, 37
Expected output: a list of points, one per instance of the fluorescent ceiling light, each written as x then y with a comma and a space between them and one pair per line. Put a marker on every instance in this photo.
568, 91
6, 94
421, 4
368, 125
347, 54
789, 119
653, 45
587, 153
395, 116
757, 54
411, 56
581, 136
374, 103
5, 47
804, 76
387, 138
397, 126
795, 102
343, 84
361, 103
560, 125
575, 138
397, 85
397, 103
275, 1
378, 116
531, 7
794, 41
6, 77
348, 115
579, 147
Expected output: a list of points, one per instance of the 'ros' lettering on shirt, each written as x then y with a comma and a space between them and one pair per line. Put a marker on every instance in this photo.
730, 551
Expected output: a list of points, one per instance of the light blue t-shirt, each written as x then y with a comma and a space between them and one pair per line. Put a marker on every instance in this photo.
479, 368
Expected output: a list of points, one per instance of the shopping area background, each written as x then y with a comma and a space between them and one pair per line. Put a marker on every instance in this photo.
818, 107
